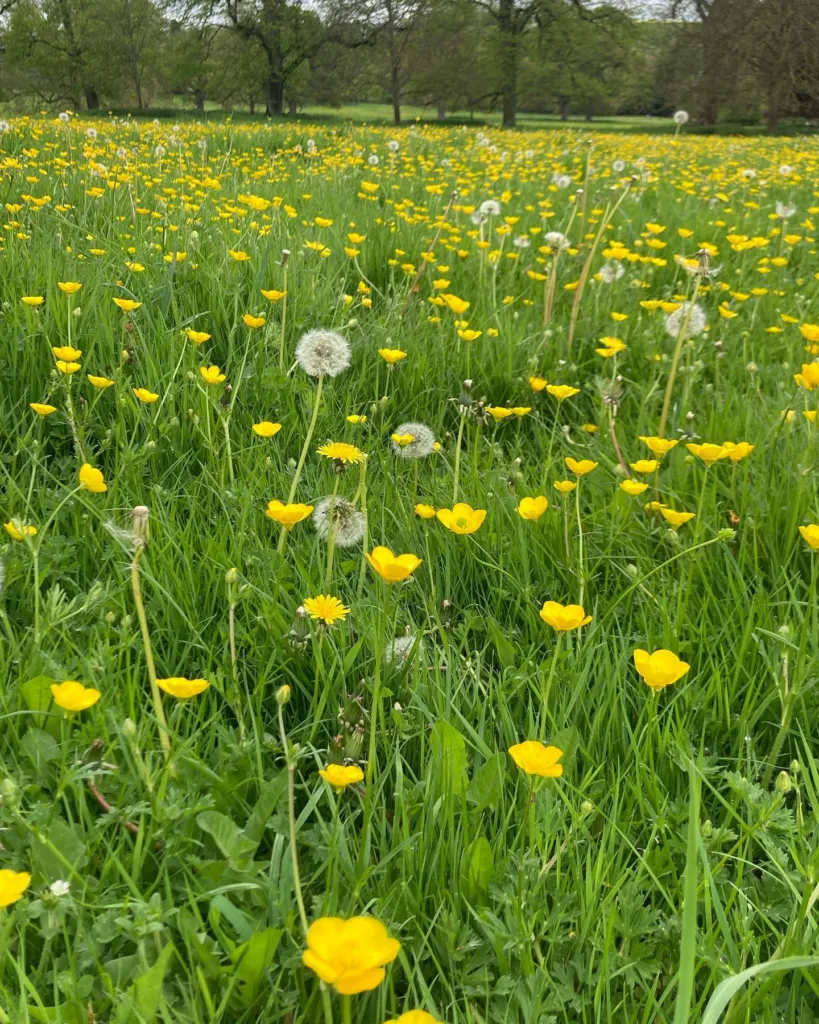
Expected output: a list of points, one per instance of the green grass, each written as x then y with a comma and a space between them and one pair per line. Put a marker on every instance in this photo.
677, 849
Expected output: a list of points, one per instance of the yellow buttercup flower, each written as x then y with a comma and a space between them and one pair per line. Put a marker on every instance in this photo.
737, 452
565, 486
356, 419
144, 395
349, 954
809, 377
287, 515
69, 287
535, 758
341, 775
67, 368
402, 440
499, 412
538, 383
468, 334
580, 468
425, 511
197, 337
100, 382
182, 688
126, 305
676, 519
238, 254
33, 300
810, 534
564, 617
253, 321
19, 531
633, 487
562, 391
392, 355
73, 696
211, 374
92, 480
532, 508
659, 445
458, 306
342, 452
660, 669
414, 1017
326, 609
67, 353
461, 518
42, 408
272, 295
12, 886
644, 465
266, 428
392, 568
709, 453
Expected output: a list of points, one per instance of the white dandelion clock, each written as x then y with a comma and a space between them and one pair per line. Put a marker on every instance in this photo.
681, 118
694, 314
347, 519
556, 240
785, 210
323, 353
421, 445
611, 272
490, 208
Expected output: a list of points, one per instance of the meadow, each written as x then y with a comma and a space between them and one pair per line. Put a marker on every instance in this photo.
408, 605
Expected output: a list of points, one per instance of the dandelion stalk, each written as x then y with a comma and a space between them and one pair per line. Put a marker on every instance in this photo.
285, 257
457, 470
675, 359
331, 531
422, 268
305, 448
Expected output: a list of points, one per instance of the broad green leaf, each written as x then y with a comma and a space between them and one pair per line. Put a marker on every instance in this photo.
477, 868
68, 1013
36, 693
232, 842
142, 1002
63, 851
486, 788
252, 960
506, 650
449, 758
39, 747
269, 797
726, 990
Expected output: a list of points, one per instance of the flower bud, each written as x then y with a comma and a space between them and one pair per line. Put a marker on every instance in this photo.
139, 525
283, 695
783, 783
726, 534
231, 576
129, 728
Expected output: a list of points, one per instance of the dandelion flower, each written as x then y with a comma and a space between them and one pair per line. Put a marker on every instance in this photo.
323, 353
326, 609
342, 452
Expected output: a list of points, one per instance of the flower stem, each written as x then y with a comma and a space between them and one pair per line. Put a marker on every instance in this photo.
305, 448
675, 359
284, 321
458, 458
164, 735
291, 814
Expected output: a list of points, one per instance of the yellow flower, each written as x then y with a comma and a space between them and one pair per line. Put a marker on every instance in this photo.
662, 668
709, 453
534, 758
726, 313
414, 1017
499, 412
810, 332
273, 295
266, 428
238, 254
469, 335
92, 479
392, 568
809, 377
644, 465
12, 886
67, 368
633, 487
326, 609
619, 317
737, 452
402, 440
425, 511
392, 355
19, 531
356, 419
253, 321
580, 468
524, 410
42, 409
181, 688
73, 696
127, 305
676, 519
537, 383
458, 306
33, 300
287, 515
810, 534
144, 395
461, 518
561, 391
342, 452
565, 486
69, 287
67, 353
341, 775
532, 508
211, 374
564, 617
659, 445
349, 954
197, 337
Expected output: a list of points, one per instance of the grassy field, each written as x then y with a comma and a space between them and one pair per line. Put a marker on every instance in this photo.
603, 346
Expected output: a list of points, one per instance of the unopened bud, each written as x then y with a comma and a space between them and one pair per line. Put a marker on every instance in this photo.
283, 695
783, 783
139, 524
726, 534
129, 728
231, 575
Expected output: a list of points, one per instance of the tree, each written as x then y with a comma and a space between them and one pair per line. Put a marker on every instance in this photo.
783, 53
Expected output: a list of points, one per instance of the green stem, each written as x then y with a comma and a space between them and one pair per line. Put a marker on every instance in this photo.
164, 735
675, 359
331, 532
305, 448
458, 458
291, 814
346, 1010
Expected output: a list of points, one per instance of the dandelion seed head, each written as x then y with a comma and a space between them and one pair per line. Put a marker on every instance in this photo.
323, 353
423, 441
490, 208
348, 522
681, 117
696, 322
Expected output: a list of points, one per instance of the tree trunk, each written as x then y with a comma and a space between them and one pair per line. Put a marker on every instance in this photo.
508, 61
772, 113
199, 99
275, 95
395, 82
563, 107
292, 108
251, 103
441, 111
138, 87
92, 99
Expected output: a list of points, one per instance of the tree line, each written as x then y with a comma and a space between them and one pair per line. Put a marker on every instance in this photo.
735, 60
